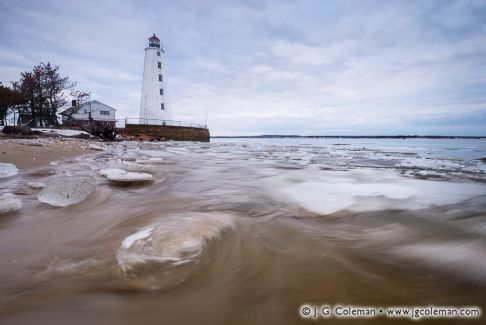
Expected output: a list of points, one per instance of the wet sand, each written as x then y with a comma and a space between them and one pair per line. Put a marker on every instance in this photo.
28, 154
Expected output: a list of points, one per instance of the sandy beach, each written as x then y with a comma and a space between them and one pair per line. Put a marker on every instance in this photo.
28, 154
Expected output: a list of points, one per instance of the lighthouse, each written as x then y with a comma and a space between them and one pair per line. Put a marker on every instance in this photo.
154, 108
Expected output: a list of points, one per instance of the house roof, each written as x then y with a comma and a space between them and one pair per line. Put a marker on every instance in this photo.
95, 106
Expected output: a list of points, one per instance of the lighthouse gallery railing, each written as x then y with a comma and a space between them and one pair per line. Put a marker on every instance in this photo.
143, 121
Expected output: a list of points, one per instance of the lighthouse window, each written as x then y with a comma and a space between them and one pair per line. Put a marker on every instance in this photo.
162, 106
159, 64
158, 53
161, 91
160, 77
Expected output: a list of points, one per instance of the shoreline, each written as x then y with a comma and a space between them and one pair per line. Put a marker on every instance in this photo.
277, 136
32, 153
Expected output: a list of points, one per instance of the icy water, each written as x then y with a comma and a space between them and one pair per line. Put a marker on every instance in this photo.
246, 231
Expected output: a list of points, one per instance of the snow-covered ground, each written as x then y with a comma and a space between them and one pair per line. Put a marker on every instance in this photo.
62, 132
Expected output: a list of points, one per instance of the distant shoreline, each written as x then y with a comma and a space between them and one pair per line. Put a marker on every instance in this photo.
270, 136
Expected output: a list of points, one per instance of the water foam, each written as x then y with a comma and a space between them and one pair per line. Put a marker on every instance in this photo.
462, 258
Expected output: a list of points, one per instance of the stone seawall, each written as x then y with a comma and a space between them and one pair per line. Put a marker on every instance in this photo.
164, 132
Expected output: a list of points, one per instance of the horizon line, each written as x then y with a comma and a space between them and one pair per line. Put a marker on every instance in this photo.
347, 136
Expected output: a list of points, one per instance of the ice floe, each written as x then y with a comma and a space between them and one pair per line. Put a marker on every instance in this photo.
172, 241
36, 184
8, 170
130, 166
120, 175
62, 191
9, 203
366, 190
96, 147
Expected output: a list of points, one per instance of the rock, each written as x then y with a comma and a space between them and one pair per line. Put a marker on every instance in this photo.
9, 203
483, 159
62, 191
18, 129
120, 175
8, 170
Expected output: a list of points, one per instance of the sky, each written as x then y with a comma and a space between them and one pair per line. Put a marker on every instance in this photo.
254, 67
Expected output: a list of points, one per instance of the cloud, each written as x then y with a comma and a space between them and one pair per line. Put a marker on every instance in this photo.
295, 67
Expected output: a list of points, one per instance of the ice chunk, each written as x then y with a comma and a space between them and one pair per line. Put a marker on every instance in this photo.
36, 184
165, 252
142, 234
62, 191
131, 166
120, 175
96, 147
9, 203
7, 170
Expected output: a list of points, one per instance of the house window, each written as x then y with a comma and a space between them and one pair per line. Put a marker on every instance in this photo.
158, 53
159, 65
161, 91
160, 77
104, 112
162, 107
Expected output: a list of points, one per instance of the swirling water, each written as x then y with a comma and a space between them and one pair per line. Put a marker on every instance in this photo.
244, 231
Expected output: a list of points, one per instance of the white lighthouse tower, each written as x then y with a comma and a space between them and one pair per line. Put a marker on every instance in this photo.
154, 106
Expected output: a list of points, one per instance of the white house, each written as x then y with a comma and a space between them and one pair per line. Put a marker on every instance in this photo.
100, 114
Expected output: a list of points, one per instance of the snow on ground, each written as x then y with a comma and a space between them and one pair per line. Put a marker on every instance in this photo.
63, 132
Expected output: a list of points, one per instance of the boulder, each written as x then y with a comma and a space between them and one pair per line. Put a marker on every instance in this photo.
18, 129
62, 191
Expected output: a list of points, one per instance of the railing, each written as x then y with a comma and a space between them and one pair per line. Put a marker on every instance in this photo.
144, 121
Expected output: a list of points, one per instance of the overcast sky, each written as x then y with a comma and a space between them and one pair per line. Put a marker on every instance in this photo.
270, 67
